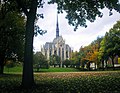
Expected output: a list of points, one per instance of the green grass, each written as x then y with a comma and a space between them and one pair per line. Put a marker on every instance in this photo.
52, 69
13, 69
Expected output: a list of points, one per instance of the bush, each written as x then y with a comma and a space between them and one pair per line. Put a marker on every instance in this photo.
10, 64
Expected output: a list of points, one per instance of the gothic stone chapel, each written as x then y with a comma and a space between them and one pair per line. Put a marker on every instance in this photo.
57, 47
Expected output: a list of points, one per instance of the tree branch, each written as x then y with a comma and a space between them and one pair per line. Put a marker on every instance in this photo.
21, 5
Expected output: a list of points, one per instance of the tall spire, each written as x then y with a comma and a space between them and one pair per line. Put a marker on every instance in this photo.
57, 28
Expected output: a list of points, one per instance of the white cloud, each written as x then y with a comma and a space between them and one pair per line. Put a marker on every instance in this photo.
82, 37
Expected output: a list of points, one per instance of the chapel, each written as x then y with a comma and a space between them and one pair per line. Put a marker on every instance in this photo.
57, 47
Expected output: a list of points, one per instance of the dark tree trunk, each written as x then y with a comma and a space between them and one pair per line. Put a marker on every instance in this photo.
2, 57
1, 69
82, 65
113, 63
88, 66
106, 64
102, 64
28, 78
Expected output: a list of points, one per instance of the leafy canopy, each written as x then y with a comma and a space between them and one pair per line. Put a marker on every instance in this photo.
79, 11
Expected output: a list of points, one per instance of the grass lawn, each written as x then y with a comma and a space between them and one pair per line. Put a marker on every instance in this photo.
51, 69
57, 69
15, 69
64, 82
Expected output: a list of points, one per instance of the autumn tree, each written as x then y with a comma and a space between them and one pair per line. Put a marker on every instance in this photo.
89, 54
95, 51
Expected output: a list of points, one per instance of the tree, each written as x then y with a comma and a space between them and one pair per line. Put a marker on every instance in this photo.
40, 61
89, 54
103, 55
95, 46
54, 60
75, 60
29, 8
113, 42
79, 11
82, 53
12, 31
66, 62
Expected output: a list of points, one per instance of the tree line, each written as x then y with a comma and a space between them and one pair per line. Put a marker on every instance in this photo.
99, 52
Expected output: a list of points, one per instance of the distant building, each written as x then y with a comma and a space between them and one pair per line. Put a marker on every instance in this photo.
57, 47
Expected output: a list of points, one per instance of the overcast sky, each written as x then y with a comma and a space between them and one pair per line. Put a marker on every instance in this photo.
82, 37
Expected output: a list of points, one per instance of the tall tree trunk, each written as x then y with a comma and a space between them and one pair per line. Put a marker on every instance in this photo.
113, 62
1, 68
103, 64
82, 65
28, 78
88, 65
2, 63
106, 63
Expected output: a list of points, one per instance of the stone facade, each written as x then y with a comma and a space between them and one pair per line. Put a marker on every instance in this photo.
57, 47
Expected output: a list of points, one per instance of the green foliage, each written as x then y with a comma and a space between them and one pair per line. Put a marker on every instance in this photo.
12, 32
110, 45
75, 59
40, 61
89, 54
79, 11
113, 40
66, 62
54, 60
10, 64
